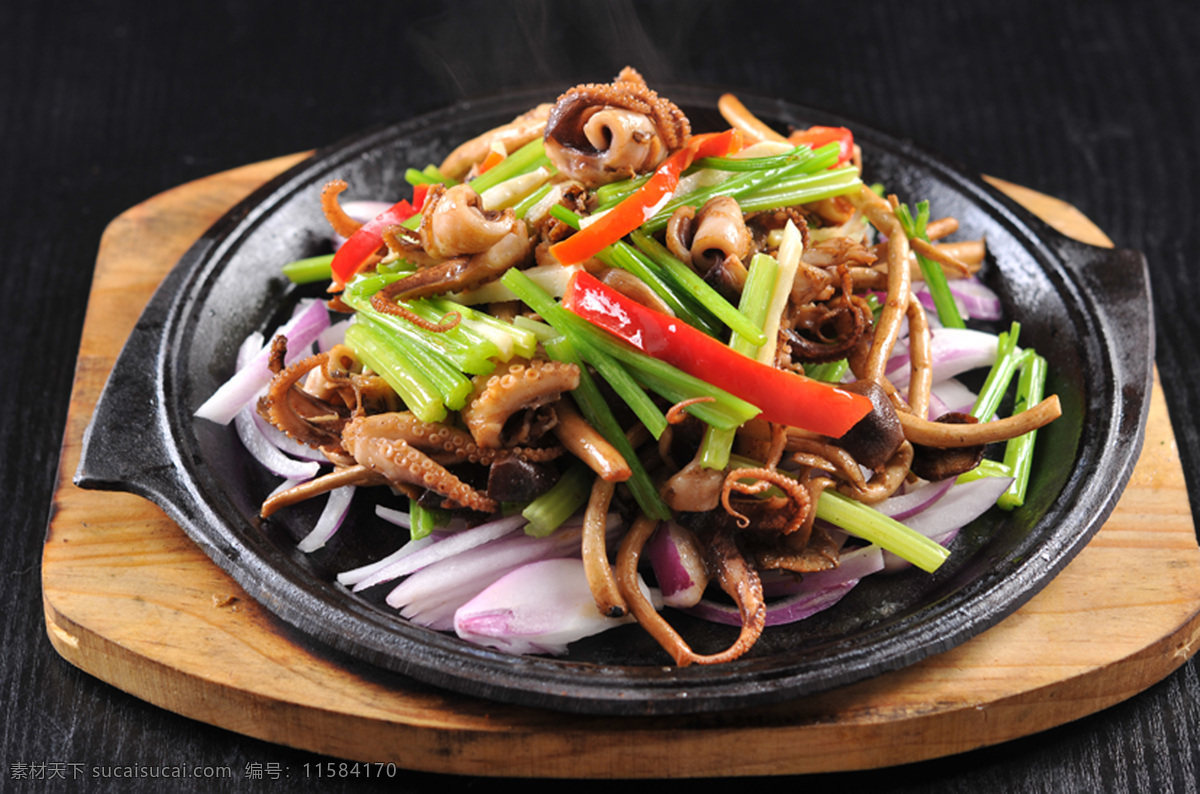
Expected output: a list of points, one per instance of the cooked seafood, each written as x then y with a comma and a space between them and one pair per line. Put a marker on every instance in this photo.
724, 345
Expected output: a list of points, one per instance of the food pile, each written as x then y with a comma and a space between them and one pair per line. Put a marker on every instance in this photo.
618, 366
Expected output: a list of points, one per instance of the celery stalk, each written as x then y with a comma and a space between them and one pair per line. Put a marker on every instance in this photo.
624, 256
594, 408
566, 498
310, 270
424, 520
584, 337
442, 374
399, 371
1018, 452
935, 277
756, 295
692, 284
874, 527
1008, 356
530, 156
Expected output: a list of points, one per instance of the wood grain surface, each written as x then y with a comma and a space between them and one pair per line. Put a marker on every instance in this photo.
129, 599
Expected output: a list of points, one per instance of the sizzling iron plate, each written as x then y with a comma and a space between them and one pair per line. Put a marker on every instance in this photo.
1087, 310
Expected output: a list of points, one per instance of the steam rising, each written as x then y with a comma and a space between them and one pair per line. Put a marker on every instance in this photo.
482, 47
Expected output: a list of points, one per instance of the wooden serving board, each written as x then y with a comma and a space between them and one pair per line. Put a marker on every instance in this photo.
129, 599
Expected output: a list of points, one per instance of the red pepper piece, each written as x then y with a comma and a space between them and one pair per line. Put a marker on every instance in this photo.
493, 159
420, 191
649, 198
784, 397
818, 136
364, 243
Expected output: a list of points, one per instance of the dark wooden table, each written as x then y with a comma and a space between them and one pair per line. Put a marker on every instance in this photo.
104, 106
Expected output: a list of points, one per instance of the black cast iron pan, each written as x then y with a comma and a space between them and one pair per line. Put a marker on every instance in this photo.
1087, 310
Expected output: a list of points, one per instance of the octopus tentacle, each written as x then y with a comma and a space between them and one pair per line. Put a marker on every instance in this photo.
385, 303
321, 428
764, 479
368, 439
338, 218
445, 444
521, 387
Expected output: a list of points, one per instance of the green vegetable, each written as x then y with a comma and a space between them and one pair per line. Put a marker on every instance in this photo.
529, 157
379, 351
310, 270
1018, 452
425, 520
566, 498
756, 297
751, 183
886, 532
1008, 356
624, 256
583, 338
690, 283
594, 408
935, 278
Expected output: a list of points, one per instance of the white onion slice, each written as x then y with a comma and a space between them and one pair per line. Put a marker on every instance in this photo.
301, 331
455, 544
538, 608
356, 575
266, 453
957, 507
815, 593
678, 565
336, 507
952, 351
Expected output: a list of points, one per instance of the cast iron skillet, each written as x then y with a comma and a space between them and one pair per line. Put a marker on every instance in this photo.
1087, 310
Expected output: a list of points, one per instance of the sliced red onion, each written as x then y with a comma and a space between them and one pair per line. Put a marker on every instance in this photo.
427, 596
959, 506
974, 298
356, 575
538, 608
282, 441
816, 591
913, 501
336, 507
430, 596
952, 351
335, 334
678, 565
950, 395
301, 331
791, 609
267, 453
394, 516
451, 546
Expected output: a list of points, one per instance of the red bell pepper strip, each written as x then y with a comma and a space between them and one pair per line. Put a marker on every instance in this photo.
784, 397
816, 137
649, 198
420, 191
354, 254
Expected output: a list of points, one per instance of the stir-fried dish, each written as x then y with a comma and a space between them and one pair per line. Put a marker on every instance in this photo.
618, 366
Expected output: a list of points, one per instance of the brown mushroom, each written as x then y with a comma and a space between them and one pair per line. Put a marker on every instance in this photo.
877, 436
942, 463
